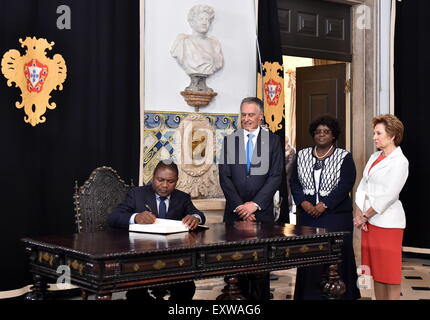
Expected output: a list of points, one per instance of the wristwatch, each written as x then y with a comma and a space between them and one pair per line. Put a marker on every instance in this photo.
364, 216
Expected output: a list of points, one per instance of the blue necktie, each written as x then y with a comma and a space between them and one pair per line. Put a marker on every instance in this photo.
249, 151
162, 208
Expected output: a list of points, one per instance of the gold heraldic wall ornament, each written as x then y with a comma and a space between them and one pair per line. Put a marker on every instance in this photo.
36, 75
273, 86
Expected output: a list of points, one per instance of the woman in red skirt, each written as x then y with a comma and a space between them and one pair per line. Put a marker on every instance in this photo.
379, 212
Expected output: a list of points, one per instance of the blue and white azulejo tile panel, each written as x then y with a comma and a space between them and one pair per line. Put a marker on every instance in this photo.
160, 129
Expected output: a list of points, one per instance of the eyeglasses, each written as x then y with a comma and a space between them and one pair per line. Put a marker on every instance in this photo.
325, 131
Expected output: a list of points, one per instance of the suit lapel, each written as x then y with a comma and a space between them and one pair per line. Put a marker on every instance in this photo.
241, 154
257, 148
385, 162
369, 163
256, 155
152, 202
171, 204
380, 165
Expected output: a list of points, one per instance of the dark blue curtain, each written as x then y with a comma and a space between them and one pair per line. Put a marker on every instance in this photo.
96, 121
412, 70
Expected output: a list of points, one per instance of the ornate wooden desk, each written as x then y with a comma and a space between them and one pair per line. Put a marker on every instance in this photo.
105, 262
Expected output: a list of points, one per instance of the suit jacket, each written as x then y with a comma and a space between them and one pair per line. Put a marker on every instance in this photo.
380, 189
261, 183
137, 199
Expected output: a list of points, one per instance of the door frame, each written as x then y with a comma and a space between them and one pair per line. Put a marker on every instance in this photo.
343, 112
364, 86
363, 83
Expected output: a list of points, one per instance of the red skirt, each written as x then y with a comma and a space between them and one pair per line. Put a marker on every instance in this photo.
381, 251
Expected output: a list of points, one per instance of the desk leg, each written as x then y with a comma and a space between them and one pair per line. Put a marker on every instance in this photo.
38, 290
333, 287
103, 297
84, 294
231, 291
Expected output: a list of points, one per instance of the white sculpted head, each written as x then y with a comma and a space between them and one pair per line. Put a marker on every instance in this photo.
200, 18
198, 54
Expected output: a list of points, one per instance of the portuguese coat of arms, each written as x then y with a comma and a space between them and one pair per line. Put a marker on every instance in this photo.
36, 75
273, 86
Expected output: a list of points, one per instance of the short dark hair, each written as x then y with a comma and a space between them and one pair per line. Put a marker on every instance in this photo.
325, 120
255, 100
167, 164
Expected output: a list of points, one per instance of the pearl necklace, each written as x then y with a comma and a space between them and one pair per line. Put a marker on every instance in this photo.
323, 156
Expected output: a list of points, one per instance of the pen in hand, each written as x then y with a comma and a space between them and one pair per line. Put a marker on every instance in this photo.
150, 210
145, 217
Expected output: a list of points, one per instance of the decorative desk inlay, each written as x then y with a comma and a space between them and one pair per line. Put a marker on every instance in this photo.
159, 265
153, 265
234, 256
237, 256
299, 250
75, 265
45, 257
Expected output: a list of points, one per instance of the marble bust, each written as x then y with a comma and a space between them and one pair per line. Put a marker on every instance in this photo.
199, 55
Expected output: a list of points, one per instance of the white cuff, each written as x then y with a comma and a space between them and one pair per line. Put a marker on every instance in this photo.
258, 207
198, 217
132, 218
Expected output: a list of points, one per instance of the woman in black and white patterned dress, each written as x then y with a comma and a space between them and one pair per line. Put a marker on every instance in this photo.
320, 184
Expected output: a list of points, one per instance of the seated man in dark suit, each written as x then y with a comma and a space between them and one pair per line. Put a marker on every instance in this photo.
159, 200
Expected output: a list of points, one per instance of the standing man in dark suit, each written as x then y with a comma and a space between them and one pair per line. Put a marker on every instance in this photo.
250, 172
159, 200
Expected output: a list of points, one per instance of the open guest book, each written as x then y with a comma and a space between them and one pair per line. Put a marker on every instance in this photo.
162, 226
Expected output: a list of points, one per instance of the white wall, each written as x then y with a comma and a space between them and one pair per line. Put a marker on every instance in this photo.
234, 26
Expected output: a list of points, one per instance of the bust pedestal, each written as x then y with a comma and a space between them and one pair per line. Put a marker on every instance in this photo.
198, 99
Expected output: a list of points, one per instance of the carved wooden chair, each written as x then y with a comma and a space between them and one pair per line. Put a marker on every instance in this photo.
96, 199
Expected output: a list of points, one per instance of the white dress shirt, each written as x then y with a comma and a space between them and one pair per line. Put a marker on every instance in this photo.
254, 138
